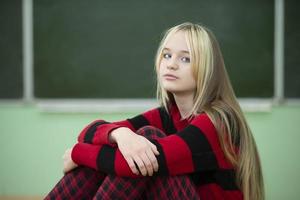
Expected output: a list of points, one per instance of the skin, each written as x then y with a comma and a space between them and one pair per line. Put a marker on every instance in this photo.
175, 75
176, 61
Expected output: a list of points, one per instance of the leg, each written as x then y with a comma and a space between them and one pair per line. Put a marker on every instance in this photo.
80, 183
172, 188
114, 187
152, 188
168, 187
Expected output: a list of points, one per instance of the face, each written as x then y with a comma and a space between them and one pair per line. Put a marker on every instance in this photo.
175, 71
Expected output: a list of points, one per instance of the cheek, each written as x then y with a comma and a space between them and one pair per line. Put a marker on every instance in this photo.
194, 83
190, 78
188, 73
160, 69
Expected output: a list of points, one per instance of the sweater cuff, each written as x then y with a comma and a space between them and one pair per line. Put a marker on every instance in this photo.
85, 154
105, 130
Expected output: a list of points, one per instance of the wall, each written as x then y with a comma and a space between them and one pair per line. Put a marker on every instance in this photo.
32, 143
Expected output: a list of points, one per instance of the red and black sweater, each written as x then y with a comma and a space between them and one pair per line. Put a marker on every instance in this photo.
191, 147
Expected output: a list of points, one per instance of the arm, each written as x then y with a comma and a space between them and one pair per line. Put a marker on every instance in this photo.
195, 148
98, 131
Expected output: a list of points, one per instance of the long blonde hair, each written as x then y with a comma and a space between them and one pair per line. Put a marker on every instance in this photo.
214, 96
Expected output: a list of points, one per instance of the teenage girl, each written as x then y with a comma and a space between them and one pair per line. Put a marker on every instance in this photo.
196, 145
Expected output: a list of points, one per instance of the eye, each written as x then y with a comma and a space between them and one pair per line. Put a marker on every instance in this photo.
167, 55
186, 59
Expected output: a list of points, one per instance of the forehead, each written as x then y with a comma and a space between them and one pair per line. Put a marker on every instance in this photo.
177, 42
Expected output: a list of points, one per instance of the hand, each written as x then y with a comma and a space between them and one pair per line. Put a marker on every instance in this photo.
136, 149
68, 162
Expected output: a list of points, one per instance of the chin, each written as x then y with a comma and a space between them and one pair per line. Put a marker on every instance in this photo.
172, 89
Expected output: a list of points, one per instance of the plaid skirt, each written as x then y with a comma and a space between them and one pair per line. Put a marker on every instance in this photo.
86, 183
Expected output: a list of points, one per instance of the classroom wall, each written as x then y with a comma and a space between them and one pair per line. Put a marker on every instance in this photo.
33, 142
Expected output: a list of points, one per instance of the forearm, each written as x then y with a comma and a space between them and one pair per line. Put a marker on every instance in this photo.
110, 160
103, 158
115, 134
98, 132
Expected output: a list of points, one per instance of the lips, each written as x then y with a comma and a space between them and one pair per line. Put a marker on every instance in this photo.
170, 76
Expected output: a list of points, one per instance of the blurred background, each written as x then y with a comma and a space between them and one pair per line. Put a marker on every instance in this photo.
66, 63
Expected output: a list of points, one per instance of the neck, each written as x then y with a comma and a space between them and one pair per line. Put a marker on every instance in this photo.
184, 103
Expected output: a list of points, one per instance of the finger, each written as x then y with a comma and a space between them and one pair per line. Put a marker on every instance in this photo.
66, 153
147, 163
153, 160
154, 149
65, 168
140, 165
131, 164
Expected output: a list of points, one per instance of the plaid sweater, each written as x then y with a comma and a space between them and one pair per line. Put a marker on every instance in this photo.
191, 147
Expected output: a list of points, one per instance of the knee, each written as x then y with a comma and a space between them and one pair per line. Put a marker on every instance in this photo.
148, 130
151, 132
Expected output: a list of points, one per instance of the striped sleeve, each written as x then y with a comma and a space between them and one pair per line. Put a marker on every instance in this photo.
98, 131
195, 148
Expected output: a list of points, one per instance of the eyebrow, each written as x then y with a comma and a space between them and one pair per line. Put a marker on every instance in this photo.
182, 51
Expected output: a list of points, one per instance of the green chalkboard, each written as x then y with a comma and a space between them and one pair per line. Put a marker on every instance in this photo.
106, 49
11, 78
292, 49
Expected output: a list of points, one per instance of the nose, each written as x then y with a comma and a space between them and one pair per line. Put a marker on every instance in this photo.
172, 64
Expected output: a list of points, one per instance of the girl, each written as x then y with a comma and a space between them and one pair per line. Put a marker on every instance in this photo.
197, 145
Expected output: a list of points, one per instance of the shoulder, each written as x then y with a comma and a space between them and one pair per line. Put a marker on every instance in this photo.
154, 115
204, 123
202, 118
154, 111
